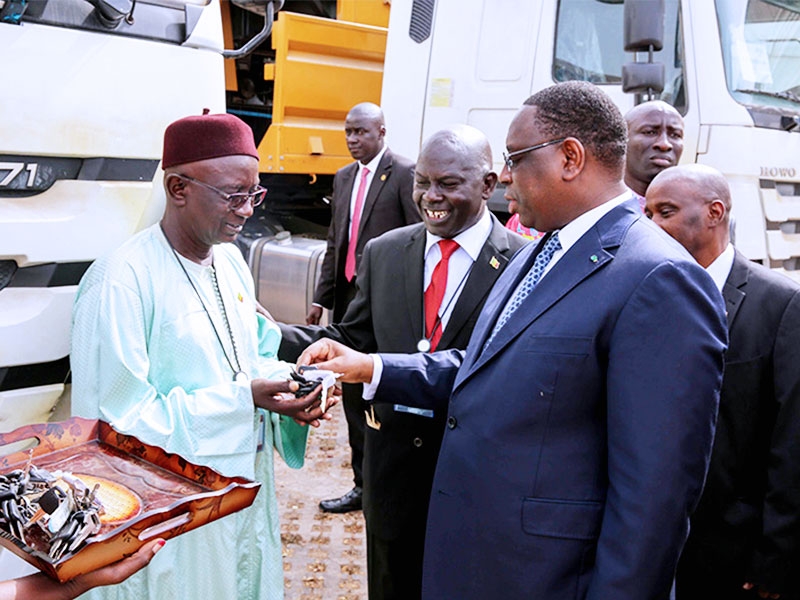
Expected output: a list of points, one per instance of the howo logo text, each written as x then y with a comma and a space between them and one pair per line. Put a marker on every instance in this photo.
787, 172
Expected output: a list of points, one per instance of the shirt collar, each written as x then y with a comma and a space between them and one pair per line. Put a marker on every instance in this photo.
471, 239
574, 230
721, 267
373, 164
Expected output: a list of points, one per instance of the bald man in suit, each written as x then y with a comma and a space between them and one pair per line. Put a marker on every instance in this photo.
466, 248
744, 540
370, 196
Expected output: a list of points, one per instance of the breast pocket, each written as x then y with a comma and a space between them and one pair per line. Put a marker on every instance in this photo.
559, 345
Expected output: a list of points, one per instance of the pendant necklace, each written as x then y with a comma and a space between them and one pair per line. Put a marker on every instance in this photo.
235, 365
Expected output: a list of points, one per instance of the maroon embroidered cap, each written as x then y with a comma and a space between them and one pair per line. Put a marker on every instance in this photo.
206, 136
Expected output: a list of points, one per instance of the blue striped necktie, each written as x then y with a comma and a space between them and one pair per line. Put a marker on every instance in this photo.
551, 246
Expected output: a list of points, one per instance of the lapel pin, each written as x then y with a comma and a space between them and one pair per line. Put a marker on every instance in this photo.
593, 258
383, 177
494, 263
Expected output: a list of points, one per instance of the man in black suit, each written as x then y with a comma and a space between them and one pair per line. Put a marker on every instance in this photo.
745, 534
370, 196
397, 309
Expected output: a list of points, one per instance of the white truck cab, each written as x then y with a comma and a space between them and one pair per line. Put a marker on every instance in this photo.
732, 69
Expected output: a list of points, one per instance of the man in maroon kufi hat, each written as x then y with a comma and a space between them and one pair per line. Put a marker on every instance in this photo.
167, 345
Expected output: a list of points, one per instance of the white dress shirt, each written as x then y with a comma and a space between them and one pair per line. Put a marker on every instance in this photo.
721, 267
470, 243
372, 166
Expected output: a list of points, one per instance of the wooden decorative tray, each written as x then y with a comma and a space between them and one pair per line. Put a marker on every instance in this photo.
162, 495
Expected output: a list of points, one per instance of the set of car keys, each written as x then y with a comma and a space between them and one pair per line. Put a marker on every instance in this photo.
58, 503
309, 377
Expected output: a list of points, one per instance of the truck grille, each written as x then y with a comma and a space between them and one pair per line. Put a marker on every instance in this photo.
781, 204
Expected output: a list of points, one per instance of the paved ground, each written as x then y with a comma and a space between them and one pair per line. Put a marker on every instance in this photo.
324, 555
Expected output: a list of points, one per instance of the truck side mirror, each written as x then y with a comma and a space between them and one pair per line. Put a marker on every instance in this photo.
643, 77
644, 25
111, 12
259, 6
644, 32
267, 8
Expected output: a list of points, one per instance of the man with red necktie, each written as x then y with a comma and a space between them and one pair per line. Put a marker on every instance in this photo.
420, 287
370, 196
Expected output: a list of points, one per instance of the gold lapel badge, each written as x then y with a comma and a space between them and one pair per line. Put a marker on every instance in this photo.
494, 263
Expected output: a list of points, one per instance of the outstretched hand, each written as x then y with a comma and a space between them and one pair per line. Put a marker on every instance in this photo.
355, 367
278, 397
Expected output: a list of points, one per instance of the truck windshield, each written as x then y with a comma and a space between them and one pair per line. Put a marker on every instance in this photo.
761, 49
590, 46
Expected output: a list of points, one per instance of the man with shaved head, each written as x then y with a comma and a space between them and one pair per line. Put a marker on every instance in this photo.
420, 287
745, 535
655, 143
370, 196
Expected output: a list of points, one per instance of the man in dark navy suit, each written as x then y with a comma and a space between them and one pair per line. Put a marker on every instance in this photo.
581, 417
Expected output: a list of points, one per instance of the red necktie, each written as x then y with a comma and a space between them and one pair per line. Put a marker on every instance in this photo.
435, 293
350, 261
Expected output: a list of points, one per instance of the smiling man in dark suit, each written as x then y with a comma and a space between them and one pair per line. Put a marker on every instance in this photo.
419, 287
580, 419
745, 535
370, 196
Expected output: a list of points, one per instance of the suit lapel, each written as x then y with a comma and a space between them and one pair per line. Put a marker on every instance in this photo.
379, 179
486, 270
734, 289
343, 215
589, 254
498, 296
414, 267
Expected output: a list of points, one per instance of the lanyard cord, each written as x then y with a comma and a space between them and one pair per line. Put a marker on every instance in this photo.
237, 370
438, 321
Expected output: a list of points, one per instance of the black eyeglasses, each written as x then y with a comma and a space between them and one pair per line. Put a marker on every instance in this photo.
235, 200
509, 158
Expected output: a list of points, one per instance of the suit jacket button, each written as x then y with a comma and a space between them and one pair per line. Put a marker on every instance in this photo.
417, 442
452, 422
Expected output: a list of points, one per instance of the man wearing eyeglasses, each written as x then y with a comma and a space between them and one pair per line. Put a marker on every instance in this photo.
581, 416
167, 346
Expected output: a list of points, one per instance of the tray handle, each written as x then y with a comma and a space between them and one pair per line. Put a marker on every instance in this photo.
20, 433
11, 444
163, 527
48, 436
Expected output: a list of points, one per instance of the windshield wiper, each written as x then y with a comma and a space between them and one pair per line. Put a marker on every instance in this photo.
786, 95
